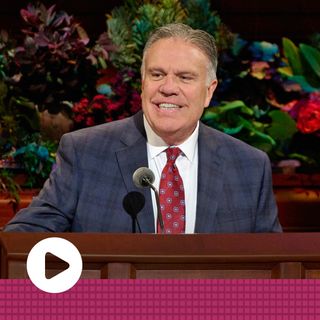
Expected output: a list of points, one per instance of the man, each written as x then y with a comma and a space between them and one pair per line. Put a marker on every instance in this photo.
225, 185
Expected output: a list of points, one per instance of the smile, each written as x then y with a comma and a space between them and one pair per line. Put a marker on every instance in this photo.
168, 106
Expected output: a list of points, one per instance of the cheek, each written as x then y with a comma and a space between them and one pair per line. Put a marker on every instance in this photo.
205, 98
147, 91
197, 98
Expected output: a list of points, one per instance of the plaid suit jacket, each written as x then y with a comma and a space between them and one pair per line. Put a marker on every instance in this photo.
85, 191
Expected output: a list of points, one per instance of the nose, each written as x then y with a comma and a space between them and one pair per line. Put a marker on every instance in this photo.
169, 86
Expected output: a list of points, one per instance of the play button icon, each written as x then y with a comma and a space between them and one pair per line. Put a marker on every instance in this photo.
63, 265
64, 254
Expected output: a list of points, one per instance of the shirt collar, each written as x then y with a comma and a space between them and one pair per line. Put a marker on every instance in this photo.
157, 145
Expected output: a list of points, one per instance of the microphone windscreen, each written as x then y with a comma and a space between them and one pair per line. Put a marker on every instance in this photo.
143, 177
133, 203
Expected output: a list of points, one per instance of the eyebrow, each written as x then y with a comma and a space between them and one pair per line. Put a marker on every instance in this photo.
155, 69
179, 73
187, 73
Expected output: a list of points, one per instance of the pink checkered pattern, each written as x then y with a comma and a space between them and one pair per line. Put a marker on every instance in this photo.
164, 299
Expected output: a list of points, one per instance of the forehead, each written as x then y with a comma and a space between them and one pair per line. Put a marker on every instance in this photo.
175, 51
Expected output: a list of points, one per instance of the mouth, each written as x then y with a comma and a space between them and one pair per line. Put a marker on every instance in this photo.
168, 106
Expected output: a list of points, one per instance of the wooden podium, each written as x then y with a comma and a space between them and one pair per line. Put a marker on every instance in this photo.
136, 256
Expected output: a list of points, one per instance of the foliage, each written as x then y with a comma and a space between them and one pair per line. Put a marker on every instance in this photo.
54, 63
270, 99
117, 100
303, 65
235, 118
6, 52
18, 119
37, 158
48, 66
130, 25
8, 185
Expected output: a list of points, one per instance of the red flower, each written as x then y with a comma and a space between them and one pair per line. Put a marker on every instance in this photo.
308, 114
90, 122
114, 106
135, 102
123, 103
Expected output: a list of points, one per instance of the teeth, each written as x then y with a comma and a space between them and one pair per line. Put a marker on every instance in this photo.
168, 106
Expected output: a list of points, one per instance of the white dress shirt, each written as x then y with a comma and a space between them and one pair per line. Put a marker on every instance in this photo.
187, 164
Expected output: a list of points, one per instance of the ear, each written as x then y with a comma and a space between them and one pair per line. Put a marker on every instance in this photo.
211, 89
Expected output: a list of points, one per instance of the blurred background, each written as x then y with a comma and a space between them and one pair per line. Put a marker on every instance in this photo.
255, 20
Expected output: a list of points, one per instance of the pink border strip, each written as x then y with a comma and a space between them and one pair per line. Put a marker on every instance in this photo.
164, 299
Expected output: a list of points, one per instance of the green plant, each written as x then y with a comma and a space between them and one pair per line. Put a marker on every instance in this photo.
18, 119
303, 65
270, 98
54, 65
264, 130
10, 186
37, 159
130, 25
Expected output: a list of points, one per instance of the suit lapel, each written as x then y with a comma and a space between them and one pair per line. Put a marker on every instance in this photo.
131, 157
210, 173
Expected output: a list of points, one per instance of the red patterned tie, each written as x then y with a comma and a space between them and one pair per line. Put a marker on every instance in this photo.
171, 195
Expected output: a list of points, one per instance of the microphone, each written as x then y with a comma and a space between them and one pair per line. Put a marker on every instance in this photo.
144, 177
133, 203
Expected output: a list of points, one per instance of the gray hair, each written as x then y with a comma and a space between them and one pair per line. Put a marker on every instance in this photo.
203, 40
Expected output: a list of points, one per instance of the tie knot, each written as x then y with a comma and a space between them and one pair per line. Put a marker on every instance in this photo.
173, 154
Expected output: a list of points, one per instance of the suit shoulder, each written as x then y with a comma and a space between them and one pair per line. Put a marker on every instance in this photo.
127, 130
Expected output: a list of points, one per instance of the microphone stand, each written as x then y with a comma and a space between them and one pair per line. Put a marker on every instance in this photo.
159, 215
133, 225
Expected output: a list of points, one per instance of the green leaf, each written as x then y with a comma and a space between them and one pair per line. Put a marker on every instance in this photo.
302, 158
312, 56
234, 130
236, 104
210, 114
249, 125
291, 52
283, 127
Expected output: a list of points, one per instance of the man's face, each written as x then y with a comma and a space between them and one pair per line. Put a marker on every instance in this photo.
175, 88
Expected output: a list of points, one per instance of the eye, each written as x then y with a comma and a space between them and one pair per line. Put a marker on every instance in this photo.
186, 78
156, 75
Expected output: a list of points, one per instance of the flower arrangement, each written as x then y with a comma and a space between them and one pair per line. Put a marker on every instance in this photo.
270, 98
130, 24
128, 28
54, 65
50, 66
116, 99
